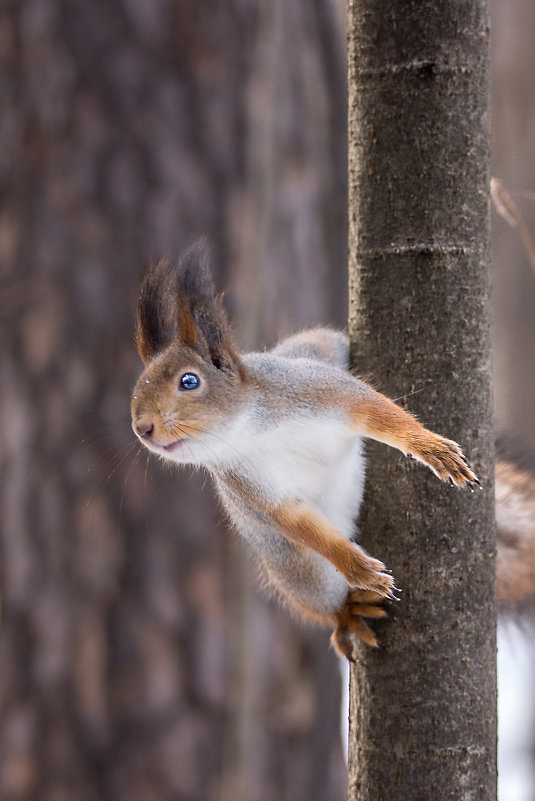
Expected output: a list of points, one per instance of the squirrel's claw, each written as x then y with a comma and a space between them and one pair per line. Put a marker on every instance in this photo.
351, 626
446, 459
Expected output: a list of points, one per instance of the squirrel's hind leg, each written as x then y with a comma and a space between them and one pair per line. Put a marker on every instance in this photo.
359, 604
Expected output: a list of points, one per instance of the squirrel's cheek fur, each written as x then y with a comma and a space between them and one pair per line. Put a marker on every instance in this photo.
180, 427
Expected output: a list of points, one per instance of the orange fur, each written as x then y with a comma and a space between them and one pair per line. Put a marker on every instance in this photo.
350, 624
304, 526
515, 522
143, 344
187, 329
153, 333
376, 416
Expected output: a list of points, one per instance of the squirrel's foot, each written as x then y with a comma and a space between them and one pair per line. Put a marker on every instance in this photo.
363, 572
446, 459
351, 625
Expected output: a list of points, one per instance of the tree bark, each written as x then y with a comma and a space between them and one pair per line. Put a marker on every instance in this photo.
423, 721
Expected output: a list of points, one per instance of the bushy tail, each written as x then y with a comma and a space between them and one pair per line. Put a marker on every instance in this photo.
515, 525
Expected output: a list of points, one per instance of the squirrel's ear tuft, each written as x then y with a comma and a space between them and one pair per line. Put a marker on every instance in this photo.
194, 290
202, 322
182, 303
155, 325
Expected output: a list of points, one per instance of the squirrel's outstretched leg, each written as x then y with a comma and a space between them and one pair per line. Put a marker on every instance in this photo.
307, 527
376, 416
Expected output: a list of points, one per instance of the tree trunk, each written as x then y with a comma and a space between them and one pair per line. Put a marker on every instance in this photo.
423, 721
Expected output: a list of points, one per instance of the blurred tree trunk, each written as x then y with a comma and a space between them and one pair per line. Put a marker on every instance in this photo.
423, 720
513, 161
128, 129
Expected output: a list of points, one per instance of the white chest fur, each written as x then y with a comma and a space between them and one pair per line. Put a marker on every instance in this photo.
313, 458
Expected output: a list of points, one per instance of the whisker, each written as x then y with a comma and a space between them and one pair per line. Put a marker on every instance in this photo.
416, 392
200, 440
176, 428
204, 431
145, 487
127, 476
103, 460
123, 427
113, 463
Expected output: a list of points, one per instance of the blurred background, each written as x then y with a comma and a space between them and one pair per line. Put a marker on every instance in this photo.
138, 661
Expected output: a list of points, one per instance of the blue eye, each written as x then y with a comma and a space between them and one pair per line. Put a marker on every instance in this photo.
189, 381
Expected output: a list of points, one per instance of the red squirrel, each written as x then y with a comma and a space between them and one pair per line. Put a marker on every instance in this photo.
281, 434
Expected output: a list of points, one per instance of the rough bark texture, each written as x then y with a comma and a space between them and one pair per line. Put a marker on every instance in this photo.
126, 131
423, 706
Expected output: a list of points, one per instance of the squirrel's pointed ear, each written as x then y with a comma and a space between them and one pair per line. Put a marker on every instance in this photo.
155, 326
194, 289
202, 322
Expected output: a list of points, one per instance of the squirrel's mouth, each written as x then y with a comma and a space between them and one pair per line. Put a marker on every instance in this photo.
173, 446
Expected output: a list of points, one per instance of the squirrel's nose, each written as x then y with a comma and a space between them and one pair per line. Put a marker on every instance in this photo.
144, 427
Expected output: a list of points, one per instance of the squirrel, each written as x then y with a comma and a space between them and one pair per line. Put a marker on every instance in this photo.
281, 434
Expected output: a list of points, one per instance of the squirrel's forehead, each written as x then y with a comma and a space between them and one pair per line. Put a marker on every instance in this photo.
172, 360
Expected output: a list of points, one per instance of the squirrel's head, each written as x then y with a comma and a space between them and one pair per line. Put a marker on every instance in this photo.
194, 383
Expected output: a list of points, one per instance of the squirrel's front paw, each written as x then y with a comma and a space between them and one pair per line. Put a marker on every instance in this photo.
446, 459
365, 573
